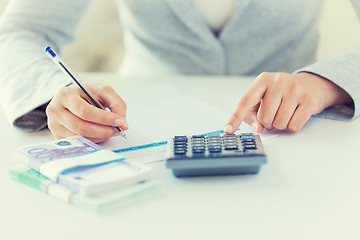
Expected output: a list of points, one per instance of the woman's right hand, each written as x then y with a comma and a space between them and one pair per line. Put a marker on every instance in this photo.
69, 113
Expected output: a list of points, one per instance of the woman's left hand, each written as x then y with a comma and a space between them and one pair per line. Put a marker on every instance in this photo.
281, 100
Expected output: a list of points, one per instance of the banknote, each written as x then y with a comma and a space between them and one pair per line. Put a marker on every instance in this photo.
39, 154
82, 166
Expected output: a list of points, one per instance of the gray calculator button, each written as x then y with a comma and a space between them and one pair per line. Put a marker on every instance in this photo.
231, 147
179, 152
198, 136
198, 151
180, 139
214, 138
252, 146
215, 150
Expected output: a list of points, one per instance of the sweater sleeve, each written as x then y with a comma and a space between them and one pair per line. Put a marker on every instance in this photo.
28, 78
344, 71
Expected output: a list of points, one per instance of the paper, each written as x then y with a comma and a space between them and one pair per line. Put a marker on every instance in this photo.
159, 113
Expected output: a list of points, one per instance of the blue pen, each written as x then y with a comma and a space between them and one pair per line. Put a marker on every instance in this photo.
58, 61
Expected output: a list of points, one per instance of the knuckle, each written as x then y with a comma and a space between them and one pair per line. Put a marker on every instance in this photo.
264, 75
279, 124
245, 100
119, 105
235, 116
294, 128
309, 99
50, 125
296, 90
50, 110
282, 79
82, 130
84, 112
107, 88
264, 119
109, 133
124, 105
64, 92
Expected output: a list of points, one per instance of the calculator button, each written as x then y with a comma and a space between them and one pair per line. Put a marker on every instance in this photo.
215, 150
198, 136
198, 140
247, 136
214, 137
198, 145
252, 146
198, 150
180, 139
180, 147
180, 144
231, 147
214, 145
179, 152
249, 144
228, 137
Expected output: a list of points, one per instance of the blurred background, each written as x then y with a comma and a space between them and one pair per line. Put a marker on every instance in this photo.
100, 28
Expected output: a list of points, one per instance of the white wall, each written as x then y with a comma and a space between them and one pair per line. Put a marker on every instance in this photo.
339, 31
339, 28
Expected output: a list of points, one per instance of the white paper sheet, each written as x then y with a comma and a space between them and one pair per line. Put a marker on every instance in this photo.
159, 113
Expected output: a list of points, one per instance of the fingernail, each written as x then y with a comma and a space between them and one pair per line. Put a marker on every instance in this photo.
255, 126
228, 128
125, 123
120, 122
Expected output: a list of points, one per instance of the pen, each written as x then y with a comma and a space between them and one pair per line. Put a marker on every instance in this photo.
58, 61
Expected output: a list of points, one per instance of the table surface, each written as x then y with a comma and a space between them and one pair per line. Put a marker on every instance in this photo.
309, 189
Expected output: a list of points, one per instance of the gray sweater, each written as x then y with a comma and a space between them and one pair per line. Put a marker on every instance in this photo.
168, 37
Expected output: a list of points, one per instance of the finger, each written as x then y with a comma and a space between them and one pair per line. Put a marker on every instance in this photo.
300, 117
109, 98
252, 97
78, 126
286, 111
89, 113
268, 107
62, 132
112, 100
252, 120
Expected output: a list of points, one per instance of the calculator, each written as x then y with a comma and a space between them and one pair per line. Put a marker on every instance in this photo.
206, 155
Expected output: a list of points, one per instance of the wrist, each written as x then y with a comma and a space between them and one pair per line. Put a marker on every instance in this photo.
333, 94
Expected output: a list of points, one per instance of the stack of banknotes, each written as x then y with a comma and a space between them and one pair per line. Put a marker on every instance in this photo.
81, 173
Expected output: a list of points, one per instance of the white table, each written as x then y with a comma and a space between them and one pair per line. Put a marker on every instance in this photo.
309, 189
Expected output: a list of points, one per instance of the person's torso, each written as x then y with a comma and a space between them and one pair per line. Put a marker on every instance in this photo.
176, 36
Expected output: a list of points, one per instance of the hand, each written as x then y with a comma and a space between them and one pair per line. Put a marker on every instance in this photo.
69, 113
281, 100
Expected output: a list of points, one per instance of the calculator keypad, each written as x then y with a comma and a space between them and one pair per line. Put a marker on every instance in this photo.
204, 155
207, 145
